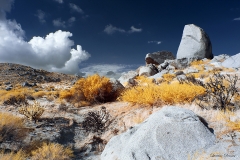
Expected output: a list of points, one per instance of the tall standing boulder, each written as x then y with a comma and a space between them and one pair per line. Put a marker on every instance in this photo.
171, 133
195, 43
158, 57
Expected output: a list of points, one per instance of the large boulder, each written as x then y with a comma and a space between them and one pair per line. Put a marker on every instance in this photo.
128, 77
232, 62
195, 43
171, 133
148, 70
158, 57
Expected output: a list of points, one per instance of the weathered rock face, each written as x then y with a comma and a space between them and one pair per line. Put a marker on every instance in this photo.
127, 77
195, 43
232, 62
171, 133
148, 70
158, 57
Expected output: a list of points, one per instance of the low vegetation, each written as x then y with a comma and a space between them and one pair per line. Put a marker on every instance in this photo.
20, 155
52, 151
32, 112
11, 128
167, 93
93, 89
220, 90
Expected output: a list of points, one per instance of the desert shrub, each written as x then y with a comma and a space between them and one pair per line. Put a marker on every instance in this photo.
168, 77
32, 112
220, 89
167, 93
50, 95
14, 97
20, 155
198, 62
52, 151
143, 80
92, 89
96, 121
11, 128
233, 125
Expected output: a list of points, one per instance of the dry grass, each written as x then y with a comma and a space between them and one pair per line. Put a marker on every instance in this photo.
167, 93
92, 89
20, 155
11, 127
168, 77
52, 151
14, 96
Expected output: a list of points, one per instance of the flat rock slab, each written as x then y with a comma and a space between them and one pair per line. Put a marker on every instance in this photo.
171, 133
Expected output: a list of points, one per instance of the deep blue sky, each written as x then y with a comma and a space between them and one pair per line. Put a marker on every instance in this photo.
160, 20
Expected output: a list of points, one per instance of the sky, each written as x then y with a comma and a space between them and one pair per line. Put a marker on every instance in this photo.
73, 36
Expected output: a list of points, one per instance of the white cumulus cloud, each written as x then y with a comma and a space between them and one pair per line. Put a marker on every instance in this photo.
237, 19
41, 16
76, 8
54, 52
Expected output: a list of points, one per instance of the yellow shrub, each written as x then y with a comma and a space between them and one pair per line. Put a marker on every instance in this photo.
167, 93
13, 156
11, 127
13, 96
168, 77
142, 80
52, 151
197, 62
91, 89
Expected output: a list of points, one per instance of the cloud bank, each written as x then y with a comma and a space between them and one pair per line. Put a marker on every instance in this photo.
110, 29
108, 70
53, 52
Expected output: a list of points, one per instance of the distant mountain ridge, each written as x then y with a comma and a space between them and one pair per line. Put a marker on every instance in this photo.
17, 73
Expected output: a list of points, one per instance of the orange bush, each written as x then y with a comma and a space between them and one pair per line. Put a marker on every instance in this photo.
167, 93
91, 89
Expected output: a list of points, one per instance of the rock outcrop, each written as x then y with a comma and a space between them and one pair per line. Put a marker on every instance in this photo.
232, 62
148, 70
171, 133
127, 78
158, 57
195, 43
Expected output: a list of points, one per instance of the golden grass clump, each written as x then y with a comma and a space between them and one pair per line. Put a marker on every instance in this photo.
52, 151
14, 96
168, 77
11, 127
167, 93
91, 89
20, 155
143, 80
197, 62
227, 116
